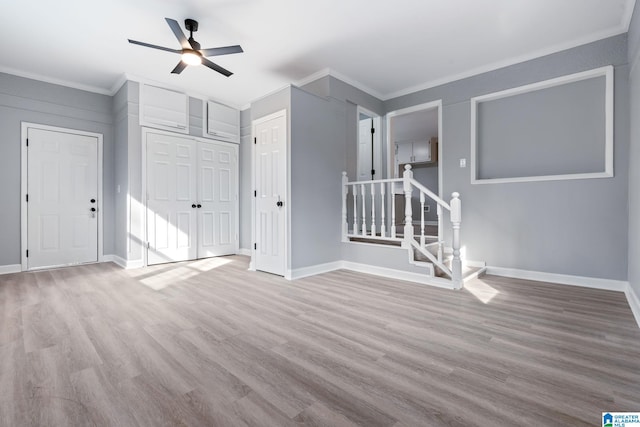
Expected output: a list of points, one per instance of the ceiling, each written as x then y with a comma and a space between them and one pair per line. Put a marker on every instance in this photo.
387, 48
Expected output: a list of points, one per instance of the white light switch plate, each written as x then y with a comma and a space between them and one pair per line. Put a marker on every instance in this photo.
463, 163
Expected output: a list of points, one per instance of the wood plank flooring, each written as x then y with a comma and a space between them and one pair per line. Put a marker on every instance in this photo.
208, 343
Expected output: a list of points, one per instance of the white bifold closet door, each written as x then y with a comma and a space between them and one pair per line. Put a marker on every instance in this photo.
191, 198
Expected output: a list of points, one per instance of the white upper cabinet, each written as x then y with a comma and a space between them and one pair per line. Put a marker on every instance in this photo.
222, 122
404, 152
164, 109
417, 151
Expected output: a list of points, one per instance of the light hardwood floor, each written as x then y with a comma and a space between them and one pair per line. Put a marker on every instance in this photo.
208, 343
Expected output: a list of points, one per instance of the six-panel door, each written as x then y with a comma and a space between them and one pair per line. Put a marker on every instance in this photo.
62, 186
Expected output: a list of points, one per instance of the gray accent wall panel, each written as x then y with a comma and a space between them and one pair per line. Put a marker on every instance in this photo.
553, 131
576, 227
26, 100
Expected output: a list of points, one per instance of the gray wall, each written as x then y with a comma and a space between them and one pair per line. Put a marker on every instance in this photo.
121, 170
245, 186
316, 157
426, 175
351, 97
317, 161
278, 101
33, 101
574, 227
634, 154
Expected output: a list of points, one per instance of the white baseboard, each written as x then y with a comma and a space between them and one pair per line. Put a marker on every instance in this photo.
126, 264
244, 251
634, 302
11, 268
299, 273
368, 269
563, 279
396, 274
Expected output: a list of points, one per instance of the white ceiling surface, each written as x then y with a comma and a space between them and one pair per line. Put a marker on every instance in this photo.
385, 47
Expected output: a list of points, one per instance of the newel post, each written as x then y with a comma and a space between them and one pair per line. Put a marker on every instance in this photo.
345, 192
456, 219
407, 176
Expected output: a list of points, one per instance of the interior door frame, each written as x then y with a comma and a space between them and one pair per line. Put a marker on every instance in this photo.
287, 198
143, 219
24, 174
390, 144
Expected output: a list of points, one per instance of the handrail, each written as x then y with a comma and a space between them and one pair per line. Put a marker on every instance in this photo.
374, 181
365, 196
429, 193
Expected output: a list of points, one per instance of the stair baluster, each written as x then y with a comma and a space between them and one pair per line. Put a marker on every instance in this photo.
355, 208
383, 230
373, 209
364, 209
345, 193
408, 214
421, 219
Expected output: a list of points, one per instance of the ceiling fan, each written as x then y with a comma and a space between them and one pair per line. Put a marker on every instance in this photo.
191, 52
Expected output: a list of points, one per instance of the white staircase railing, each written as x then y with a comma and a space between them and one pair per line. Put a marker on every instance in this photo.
369, 212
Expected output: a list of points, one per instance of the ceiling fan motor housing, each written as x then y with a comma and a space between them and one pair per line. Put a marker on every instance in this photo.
191, 25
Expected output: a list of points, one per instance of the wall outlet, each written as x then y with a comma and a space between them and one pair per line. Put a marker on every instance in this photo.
463, 163
427, 208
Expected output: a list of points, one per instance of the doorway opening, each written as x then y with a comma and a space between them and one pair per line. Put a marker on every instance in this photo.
414, 137
369, 146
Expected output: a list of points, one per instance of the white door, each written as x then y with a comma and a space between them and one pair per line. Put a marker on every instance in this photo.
62, 191
271, 188
217, 199
171, 198
369, 146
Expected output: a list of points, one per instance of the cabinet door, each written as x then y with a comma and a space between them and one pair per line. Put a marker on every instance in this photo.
164, 109
421, 151
223, 122
218, 198
404, 152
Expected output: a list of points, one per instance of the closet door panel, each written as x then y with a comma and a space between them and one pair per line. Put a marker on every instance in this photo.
171, 188
218, 186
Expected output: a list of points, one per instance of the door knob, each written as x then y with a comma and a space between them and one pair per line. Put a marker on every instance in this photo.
199, 205
279, 204
193, 206
93, 200
93, 209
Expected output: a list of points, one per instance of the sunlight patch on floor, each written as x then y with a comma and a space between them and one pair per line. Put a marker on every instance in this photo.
481, 290
209, 264
167, 278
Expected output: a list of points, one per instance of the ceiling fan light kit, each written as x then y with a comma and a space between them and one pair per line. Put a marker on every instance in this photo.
191, 53
192, 58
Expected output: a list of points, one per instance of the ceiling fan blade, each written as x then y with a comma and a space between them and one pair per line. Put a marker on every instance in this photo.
154, 46
177, 31
216, 51
181, 66
216, 67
